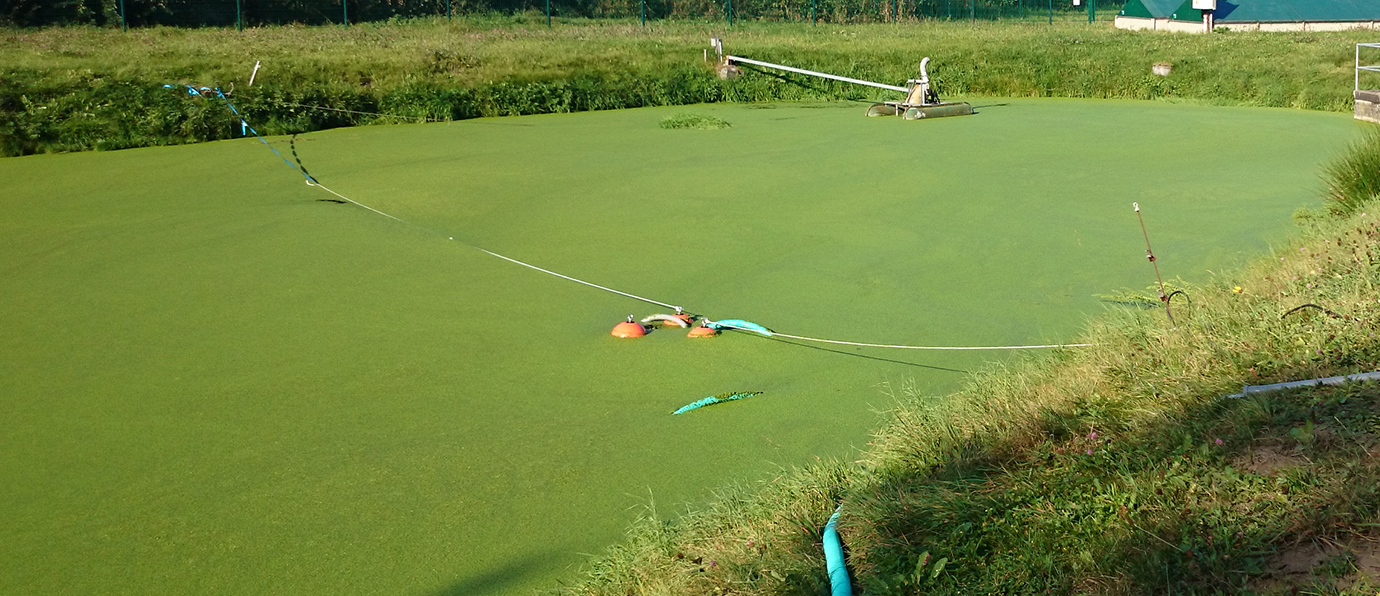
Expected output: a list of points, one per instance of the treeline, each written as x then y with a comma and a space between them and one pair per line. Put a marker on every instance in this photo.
229, 13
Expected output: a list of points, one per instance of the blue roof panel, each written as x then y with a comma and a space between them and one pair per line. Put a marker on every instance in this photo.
1266, 11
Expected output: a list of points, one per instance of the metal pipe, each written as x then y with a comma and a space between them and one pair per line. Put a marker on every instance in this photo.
815, 74
1359, 377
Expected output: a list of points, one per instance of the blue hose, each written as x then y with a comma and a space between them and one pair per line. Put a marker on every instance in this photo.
741, 325
833, 558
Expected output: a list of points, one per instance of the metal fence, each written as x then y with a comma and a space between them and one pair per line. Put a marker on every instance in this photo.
250, 13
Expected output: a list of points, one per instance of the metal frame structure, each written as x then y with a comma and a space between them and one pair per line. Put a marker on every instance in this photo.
1368, 68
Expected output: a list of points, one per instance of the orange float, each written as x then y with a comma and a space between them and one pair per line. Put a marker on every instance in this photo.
702, 331
629, 328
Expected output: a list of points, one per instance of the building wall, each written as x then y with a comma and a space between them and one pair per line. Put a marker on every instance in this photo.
1142, 24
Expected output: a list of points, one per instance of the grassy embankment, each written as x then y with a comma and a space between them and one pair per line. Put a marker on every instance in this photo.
79, 88
1120, 468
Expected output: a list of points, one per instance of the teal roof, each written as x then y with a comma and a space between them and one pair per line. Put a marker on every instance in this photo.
1266, 11
1149, 9
1186, 12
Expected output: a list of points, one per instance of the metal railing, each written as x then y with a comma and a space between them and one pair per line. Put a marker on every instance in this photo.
1367, 68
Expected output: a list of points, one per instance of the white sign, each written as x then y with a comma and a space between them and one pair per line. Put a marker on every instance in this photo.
1205, 4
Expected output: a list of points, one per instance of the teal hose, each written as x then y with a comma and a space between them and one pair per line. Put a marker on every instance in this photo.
741, 325
833, 558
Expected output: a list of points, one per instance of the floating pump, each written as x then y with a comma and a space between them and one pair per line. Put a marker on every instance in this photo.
629, 329
680, 319
921, 100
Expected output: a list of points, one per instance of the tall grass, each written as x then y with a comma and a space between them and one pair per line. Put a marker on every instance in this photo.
1354, 180
76, 88
1120, 468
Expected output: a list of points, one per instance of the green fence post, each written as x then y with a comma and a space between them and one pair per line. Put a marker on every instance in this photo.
447, 11
1092, 8
345, 12
548, 14
124, 26
644, 13
730, 12
972, 11
814, 16
239, 16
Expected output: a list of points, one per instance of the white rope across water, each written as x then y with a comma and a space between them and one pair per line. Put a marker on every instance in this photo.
579, 281
312, 182
901, 347
770, 333
494, 254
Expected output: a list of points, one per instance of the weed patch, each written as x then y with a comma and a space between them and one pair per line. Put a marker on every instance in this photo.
695, 121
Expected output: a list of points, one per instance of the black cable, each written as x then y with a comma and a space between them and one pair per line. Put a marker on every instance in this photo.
292, 143
1311, 305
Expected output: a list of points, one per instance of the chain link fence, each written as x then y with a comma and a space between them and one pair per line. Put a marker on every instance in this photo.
251, 13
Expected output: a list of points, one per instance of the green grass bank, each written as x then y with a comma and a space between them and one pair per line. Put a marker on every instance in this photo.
1122, 468
81, 88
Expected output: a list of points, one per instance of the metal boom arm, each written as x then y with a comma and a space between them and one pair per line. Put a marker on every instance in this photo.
815, 74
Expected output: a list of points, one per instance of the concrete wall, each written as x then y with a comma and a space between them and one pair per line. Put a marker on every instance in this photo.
1367, 105
1141, 24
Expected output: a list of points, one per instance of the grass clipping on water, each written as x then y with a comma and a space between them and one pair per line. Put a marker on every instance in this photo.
1116, 469
695, 121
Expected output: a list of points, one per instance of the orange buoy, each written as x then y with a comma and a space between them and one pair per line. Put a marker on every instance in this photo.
629, 328
702, 331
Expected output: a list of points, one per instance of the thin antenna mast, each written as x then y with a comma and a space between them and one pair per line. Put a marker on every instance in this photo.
1150, 254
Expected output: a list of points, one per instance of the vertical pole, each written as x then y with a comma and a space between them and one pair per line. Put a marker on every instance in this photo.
124, 25
1092, 10
814, 16
1358, 68
972, 11
644, 13
447, 11
548, 14
345, 12
730, 12
239, 16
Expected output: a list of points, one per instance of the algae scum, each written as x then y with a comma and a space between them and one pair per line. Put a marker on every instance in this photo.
214, 382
